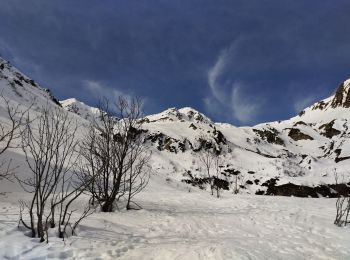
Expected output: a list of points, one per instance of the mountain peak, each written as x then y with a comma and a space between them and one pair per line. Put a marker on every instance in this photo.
342, 95
77, 107
182, 114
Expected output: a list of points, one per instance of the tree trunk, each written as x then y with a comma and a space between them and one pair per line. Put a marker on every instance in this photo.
52, 221
107, 205
40, 228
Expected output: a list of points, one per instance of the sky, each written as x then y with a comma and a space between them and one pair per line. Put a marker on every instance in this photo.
237, 61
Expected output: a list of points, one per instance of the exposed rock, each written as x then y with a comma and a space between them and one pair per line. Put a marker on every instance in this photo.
328, 130
271, 136
219, 137
193, 126
341, 97
320, 105
300, 123
297, 135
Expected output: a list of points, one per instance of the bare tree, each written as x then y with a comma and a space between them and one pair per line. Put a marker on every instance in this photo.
217, 163
49, 144
10, 132
342, 211
113, 150
238, 180
343, 203
139, 171
209, 159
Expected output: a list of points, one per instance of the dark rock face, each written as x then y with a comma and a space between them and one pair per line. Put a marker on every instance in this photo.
271, 136
164, 142
297, 135
219, 137
328, 130
341, 98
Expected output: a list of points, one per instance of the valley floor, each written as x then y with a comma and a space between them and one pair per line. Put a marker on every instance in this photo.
177, 224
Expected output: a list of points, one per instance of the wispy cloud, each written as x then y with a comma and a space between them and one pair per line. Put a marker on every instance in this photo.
102, 90
228, 96
244, 108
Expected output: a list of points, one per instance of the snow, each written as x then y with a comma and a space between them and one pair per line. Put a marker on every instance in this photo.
177, 224
81, 109
179, 221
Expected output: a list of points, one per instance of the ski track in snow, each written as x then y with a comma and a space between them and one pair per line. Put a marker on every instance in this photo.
176, 224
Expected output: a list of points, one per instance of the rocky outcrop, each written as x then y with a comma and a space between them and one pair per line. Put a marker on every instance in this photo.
328, 130
297, 135
342, 96
270, 136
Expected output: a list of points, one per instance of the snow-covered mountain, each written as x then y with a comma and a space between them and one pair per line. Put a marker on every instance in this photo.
303, 150
19, 88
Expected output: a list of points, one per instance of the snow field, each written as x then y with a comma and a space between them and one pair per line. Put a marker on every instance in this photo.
177, 224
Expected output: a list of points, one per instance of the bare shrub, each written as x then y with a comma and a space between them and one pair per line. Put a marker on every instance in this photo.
50, 146
10, 132
115, 154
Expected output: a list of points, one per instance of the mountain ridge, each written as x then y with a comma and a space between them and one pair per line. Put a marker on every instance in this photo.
303, 150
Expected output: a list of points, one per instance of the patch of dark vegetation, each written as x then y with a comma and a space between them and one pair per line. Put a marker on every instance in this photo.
230, 172
270, 136
270, 183
198, 182
328, 130
249, 182
297, 135
259, 192
290, 189
203, 182
221, 184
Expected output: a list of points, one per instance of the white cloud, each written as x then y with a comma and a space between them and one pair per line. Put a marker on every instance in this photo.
229, 96
244, 109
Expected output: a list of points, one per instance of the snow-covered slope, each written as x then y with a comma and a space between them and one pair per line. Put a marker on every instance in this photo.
81, 109
17, 87
302, 150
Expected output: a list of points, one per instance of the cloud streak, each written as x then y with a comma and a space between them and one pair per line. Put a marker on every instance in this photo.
227, 95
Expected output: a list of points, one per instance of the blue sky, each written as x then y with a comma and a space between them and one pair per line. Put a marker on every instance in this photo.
242, 62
